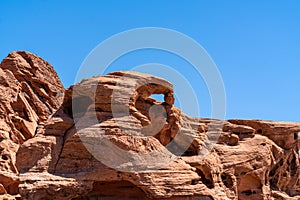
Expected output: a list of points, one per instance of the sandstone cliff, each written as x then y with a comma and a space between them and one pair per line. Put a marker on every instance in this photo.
106, 138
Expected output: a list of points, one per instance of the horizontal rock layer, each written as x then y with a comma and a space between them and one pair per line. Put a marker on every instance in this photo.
106, 138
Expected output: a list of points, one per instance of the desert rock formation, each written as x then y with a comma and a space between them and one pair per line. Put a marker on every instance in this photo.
106, 138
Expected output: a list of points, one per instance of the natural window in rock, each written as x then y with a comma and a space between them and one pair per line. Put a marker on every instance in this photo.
157, 97
296, 135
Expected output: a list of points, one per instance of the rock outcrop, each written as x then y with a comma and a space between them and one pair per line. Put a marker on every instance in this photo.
106, 138
30, 93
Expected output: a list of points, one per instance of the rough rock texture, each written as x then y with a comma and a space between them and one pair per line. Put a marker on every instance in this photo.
106, 138
30, 92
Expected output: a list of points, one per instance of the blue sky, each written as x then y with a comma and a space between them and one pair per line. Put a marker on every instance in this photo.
255, 44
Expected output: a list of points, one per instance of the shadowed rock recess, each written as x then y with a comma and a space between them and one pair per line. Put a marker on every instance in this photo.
42, 155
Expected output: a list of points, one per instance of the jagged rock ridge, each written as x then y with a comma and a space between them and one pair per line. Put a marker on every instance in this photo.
30, 92
43, 155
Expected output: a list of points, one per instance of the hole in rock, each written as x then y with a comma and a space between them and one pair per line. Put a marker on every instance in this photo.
157, 97
167, 190
259, 131
206, 177
4, 157
248, 192
227, 180
194, 182
296, 135
190, 152
115, 190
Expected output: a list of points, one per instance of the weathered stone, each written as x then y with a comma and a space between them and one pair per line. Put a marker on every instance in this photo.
108, 139
30, 93
2, 190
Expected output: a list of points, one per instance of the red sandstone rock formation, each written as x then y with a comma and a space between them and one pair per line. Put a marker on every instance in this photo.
106, 138
30, 93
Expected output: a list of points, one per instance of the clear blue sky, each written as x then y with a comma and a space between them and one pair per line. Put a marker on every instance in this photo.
255, 44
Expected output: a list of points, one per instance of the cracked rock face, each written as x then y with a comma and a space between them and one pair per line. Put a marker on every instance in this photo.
30, 93
106, 138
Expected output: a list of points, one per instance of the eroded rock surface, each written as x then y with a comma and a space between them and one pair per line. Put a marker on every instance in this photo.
106, 138
30, 92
